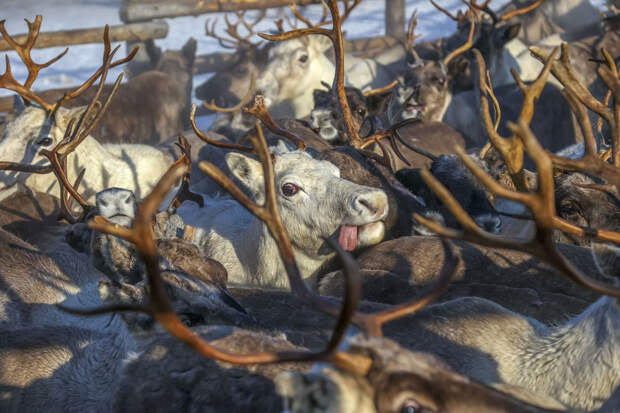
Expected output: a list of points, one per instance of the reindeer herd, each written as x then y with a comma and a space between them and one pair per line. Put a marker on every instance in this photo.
432, 227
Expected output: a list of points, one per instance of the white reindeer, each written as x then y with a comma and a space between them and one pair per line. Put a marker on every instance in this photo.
133, 167
315, 203
296, 67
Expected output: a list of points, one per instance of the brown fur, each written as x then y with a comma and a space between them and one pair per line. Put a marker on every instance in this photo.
150, 107
395, 271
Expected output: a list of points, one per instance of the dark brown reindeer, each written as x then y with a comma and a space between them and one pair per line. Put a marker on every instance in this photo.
152, 106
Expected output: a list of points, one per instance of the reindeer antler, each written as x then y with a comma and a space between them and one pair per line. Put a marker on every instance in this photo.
7, 80
236, 40
335, 35
470, 38
541, 203
57, 157
522, 10
511, 148
577, 95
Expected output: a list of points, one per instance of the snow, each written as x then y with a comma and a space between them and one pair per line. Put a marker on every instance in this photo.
367, 20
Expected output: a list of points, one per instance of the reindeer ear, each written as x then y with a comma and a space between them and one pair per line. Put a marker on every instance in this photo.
249, 171
378, 104
512, 31
152, 51
321, 97
189, 50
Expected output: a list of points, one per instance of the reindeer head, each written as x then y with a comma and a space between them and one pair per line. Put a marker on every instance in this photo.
296, 67
304, 185
327, 121
423, 94
31, 131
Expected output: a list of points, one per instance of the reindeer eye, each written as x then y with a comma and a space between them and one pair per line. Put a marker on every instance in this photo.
361, 112
303, 58
45, 141
410, 406
289, 189
128, 200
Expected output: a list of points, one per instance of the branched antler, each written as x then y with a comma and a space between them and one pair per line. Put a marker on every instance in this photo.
159, 306
541, 203
577, 95
378, 91
236, 40
259, 110
511, 148
57, 157
7, 80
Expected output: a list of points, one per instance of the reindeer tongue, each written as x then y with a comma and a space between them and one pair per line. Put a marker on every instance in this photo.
348, 237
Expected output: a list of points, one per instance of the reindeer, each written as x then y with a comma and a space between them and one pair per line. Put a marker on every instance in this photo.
226, 233
152, 106
41, 125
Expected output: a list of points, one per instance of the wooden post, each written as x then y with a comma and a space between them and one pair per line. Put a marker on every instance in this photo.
395, 18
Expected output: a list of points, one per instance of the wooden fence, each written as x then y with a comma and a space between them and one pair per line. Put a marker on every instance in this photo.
136, 14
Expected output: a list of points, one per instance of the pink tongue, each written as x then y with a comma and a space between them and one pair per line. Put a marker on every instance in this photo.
348, 237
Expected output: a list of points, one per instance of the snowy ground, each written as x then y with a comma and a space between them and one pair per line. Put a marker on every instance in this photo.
366, 21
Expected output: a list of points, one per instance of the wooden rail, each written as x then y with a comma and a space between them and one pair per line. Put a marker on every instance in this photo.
144, 10
135, 32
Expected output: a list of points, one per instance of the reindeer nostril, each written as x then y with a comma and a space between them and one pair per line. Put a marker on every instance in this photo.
368, 206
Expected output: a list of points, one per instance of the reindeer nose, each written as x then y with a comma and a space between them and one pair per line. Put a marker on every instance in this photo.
320, 117
372, 205
489, 223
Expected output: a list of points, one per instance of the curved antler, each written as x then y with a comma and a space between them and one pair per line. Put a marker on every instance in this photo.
541, 203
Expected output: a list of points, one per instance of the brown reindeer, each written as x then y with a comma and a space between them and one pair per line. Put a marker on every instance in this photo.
152, 106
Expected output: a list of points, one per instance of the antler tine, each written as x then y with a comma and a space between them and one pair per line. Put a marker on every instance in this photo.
444, 11
380, 90
411, 36
523, 10
107, 64
232, 29
293, 8
24, 51
467, 45
511, 148
609, 75
541, 203
259, 110
590, 163
224, 42
335, 35
244, 101
564, 72
184, 193
234, 146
